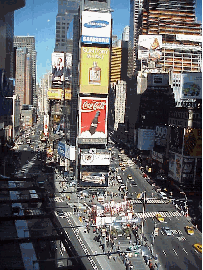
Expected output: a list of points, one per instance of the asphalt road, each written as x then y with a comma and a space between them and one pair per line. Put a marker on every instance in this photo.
174, 251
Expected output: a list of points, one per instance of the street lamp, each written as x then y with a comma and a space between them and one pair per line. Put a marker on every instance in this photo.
186, 207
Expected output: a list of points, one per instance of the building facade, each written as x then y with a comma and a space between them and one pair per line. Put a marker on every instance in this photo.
28, 42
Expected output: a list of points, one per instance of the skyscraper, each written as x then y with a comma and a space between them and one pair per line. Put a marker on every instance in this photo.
66, 11
29, 43
23, 86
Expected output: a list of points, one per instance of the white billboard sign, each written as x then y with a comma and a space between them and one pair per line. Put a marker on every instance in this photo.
150, 47
189, 37
96, 27
95, 159
191, 85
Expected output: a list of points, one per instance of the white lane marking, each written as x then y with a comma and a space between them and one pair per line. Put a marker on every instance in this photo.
175, 252
164, 252
185, 251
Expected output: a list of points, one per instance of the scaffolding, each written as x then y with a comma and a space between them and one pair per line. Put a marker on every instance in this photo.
169, 19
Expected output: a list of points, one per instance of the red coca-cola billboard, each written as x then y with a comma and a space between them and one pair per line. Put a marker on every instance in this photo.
93, 120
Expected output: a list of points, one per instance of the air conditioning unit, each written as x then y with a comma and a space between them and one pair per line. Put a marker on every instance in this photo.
92, 151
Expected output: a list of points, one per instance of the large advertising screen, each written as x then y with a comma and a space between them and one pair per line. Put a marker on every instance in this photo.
96, 27
193, 142
146, 139
94, 70
191, 85
93, 120
149, 47
91, 176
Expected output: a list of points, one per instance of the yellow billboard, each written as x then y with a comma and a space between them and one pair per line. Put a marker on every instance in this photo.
94, 70
58, 93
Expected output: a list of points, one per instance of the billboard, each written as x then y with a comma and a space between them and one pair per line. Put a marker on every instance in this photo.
93, 120
175, 166
193, 142
61, 70
176, 139
58, 63
188, 169
146, 139
189, 37
191, 85
96, 27
94, 70
150, 47
97, 157
58, 94
94, 179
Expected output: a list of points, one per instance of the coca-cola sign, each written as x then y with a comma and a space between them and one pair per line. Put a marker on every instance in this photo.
93, 105
92, 119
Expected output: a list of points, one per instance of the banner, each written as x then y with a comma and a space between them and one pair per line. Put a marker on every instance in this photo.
150, 47
94, 70
96, 27
193, 142
46, 124
191, 85
93, 120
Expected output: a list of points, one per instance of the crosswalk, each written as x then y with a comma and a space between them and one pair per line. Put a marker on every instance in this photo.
56, 199
151, 201
163, 214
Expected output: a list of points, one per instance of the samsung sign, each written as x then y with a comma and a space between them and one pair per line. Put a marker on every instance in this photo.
96, 27
96, 24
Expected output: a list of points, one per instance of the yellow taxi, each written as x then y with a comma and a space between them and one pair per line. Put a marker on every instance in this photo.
189, 230
198, 247
130, 177
159, 218
123, 168
120, 164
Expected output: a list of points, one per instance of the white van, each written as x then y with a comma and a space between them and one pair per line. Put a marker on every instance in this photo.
163, 195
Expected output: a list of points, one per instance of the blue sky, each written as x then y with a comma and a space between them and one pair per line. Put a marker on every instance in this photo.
38, 18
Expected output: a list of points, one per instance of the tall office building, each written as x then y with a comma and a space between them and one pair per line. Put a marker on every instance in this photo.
29, 43
23, 85
66, 11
